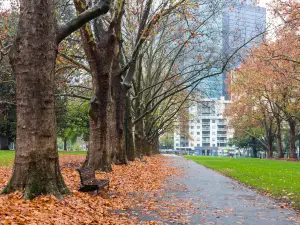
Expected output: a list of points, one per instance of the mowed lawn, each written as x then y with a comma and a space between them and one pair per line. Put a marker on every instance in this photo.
7, 156
281, 179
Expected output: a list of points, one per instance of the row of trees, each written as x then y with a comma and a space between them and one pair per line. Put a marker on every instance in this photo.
126, 59
265, 89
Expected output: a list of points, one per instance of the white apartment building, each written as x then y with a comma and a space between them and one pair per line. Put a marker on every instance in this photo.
208, 129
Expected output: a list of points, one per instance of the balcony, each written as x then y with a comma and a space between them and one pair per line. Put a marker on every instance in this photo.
205, 135
221, 135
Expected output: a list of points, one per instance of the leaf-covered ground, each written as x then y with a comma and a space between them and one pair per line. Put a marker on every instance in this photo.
134, 190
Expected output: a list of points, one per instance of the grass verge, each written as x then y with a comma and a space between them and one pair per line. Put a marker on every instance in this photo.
280, 179
7, 156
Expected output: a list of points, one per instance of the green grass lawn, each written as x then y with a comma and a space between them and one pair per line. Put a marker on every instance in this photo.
279, 178
7, 157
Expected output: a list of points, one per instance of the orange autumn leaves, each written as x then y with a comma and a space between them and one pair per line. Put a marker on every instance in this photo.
267, 83
127, 190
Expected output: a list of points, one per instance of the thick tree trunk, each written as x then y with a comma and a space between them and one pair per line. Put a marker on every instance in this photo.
147, 148
139, 144
101, 52
36, 168
119, 97
292, 125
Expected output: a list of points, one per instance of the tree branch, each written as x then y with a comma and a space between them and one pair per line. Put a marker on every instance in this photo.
101, 8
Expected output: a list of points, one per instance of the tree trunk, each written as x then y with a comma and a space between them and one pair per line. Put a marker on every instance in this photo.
270, 147
254, 148
36, 168
279, 144
139, 145
65, 144
101, 52
292, 125
278, 139
119, 97
130, 147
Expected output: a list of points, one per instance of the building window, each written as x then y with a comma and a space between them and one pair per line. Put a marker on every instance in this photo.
192, 127
198, 127
192, 133
198, 133
213, 121
198, 145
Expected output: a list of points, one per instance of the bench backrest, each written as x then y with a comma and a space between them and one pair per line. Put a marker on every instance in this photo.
87, 175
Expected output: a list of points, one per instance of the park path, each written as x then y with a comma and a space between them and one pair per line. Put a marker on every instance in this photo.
217, 199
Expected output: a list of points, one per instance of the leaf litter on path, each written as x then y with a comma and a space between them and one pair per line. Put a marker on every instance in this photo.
135, 190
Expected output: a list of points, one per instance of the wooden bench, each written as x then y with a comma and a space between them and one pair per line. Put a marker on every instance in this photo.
141, 158
88, 180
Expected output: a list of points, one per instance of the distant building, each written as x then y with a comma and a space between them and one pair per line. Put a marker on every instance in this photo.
208, 129
244, 25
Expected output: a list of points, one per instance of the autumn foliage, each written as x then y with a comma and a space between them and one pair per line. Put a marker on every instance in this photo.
265, 89
132, 187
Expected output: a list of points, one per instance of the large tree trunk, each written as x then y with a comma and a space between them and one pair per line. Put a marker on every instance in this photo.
36, 168
139, 143
292, 125
101, 52
119, 97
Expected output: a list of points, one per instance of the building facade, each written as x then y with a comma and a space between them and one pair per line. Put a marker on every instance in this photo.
208, 129
244, 27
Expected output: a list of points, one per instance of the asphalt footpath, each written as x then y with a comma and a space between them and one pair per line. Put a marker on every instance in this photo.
217, 199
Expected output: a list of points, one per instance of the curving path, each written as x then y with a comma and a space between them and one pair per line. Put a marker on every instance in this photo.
216, 199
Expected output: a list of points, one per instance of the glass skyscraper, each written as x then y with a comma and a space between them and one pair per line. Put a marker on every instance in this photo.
244, 25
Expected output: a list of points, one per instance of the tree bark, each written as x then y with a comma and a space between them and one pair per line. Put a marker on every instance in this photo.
278, 139
130, 147
36, 168
292, 125
254, 148
65, 144
270, 147
101, 51
119, 97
